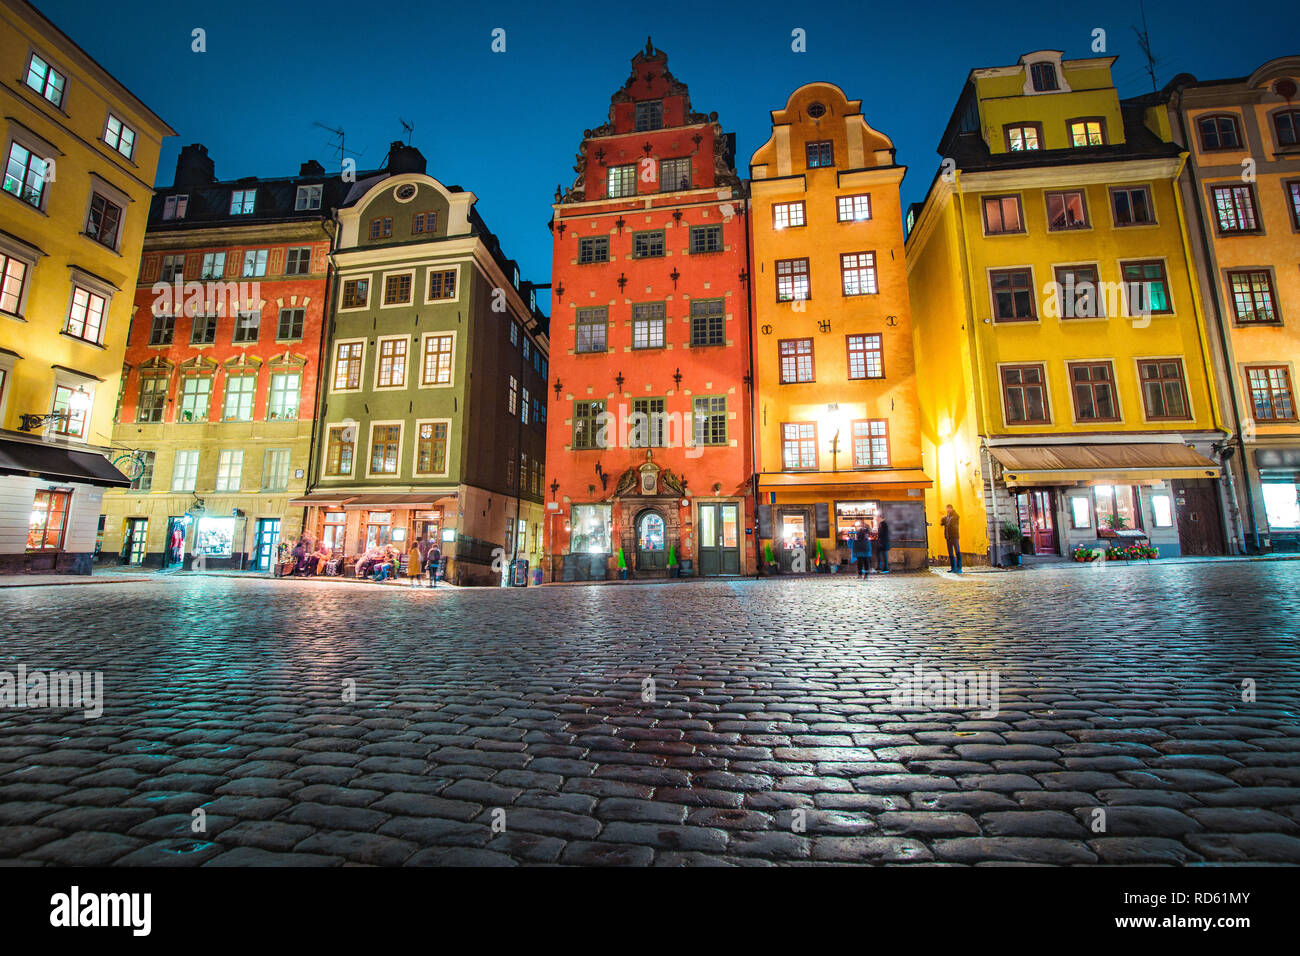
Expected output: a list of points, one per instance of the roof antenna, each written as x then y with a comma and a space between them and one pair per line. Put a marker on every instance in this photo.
1144, 44
408, 127
339, 146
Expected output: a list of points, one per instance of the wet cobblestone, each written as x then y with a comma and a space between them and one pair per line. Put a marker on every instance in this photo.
684, 724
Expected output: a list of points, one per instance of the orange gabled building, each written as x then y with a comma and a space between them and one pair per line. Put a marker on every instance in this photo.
649, 445
838, 434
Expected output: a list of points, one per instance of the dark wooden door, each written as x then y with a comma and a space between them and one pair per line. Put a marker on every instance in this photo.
651, 542
1200, 532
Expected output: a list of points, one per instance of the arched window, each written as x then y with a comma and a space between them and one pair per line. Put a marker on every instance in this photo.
1219, 132
1287, 126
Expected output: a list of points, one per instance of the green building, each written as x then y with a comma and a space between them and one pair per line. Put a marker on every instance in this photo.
432, 419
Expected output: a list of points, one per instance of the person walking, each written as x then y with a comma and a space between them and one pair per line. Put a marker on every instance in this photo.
882, 546
862, 551
951, 535
435, 564
415, 563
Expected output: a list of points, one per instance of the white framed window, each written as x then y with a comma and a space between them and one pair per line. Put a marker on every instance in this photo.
46, 80
437, 366
282, 404
174, 207
240, 392
385, 449
398, 289
275, 470
74, 403
391, 356
340, 449
104, 220
196, 390
853, 208
214, 265
308, 197
13, 283
230, 468
185, 470
788, 214
86, 315
431, 444
119, 136
26, 173
349, 358
173, 267
255, 263
242, 201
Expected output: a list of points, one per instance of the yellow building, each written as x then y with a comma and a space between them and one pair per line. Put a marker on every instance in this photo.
834, 376
1066, 373
80, 152
1242, 188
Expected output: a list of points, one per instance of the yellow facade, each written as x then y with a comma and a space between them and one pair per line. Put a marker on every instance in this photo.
1242, 188
80, 153
834, 374
1001, 234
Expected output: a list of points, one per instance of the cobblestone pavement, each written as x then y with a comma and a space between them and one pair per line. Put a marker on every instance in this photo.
773, 735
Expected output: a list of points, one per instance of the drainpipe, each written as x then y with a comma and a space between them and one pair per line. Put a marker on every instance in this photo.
322, 359
753, 405
1223, 337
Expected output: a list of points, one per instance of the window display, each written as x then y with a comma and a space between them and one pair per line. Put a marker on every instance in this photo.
215, 538
590, 529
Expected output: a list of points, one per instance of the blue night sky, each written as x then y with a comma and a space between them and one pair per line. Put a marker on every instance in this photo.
508, 125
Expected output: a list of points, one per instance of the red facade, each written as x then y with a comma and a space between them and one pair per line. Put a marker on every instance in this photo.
650, 433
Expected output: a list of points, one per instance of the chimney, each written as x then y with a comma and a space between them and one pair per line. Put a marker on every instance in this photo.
194, 168
404, 159
311, 168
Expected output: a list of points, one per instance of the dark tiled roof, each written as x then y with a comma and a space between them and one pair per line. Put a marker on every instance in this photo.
209, 205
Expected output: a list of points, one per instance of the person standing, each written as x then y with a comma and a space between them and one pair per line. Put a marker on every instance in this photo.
882, 546
862, 551
415, 562
951, 535
435, 564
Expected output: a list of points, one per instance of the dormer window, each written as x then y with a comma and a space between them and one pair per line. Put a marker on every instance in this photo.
649, 115
1043, 77
308, 198
174, 206
1024, 136
242, 202
1088, 132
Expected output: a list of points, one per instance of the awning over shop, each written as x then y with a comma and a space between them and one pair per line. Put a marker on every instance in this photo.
857, 480
321, 499
56, 463
1100, 464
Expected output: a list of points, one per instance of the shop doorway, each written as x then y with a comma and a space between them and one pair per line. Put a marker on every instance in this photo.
174, 546
1200, 531
719, 531
793, 539
651, 542
1037, 513
137, 533
428, 525
268, 536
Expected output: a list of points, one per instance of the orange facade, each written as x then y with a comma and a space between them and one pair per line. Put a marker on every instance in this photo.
649, 444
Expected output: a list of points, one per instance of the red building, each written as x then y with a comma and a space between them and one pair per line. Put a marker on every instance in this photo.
649, 447
221, 369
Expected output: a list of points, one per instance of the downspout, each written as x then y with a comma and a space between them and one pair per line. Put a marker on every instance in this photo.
977, 371
748, 213
322, 359
1210, 262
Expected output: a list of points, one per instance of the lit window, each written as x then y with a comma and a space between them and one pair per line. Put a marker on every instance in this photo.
796, 360
242, 201
174, 207
239, 398
230, 468
621, 181
786, 214
792, 280
255, 263
119, 136
283, 401
1087, 132
1024, 137
866, 356
308, 197
853, 208
13, 280
86, 317
871, 444
858, 272
46, 80
25, 175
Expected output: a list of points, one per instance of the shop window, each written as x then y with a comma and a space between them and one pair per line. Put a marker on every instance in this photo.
49, 519
1280, 505
1080, 512
379, 529
1117, 507
589, 529
333, 530
850, 514
1162, 511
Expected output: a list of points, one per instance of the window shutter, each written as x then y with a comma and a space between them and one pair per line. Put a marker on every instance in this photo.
234, 262
823, 519
318, 258
765, 521
193, 265
275, 262
150, 269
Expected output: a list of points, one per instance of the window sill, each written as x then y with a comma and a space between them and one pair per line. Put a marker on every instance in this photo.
78, 339
39, 210
103, 245
14, 316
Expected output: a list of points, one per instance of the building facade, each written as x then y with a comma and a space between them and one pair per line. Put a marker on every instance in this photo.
839, 443
1068, 390
433, 405
80, 153
1242, 192
649, 459
220, 382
